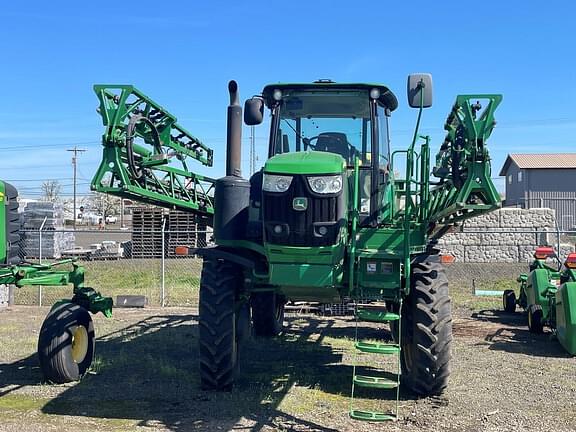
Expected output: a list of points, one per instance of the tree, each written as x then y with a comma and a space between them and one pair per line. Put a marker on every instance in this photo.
51, 190
102, 204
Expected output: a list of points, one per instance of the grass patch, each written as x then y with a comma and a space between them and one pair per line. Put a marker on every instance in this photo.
21, 403
130, 277
463, 296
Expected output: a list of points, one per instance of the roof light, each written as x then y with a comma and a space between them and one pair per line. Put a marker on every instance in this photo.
277, 94
544, 252
570, 261
375, 93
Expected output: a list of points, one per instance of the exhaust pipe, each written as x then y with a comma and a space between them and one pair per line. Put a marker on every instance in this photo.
234, 132
232, 193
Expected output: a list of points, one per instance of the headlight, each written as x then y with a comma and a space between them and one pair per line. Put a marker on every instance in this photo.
276, 183
325, 184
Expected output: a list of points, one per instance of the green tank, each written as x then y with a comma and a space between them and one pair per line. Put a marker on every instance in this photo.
565, 303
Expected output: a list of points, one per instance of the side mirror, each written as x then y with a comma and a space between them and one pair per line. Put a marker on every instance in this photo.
253, 111
420, 89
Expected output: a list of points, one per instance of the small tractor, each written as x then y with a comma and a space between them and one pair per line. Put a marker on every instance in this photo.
328, 218
548, 294
66, 340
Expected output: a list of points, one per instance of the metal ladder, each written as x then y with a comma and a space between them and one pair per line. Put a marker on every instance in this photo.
378, 314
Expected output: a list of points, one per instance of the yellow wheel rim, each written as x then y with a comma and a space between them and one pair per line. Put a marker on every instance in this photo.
79, 343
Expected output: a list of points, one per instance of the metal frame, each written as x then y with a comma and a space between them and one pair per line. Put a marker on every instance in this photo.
128, 113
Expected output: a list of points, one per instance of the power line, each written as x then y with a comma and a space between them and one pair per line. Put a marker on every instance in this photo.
35, 146
36, 180
65, 185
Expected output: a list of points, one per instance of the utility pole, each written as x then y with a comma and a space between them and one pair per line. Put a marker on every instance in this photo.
76, 150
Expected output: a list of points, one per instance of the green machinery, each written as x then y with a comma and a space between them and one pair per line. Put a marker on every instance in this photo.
66, 341
329, 217
135, 172
548, 294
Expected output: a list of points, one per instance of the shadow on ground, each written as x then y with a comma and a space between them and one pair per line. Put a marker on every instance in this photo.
514, 337
148, 372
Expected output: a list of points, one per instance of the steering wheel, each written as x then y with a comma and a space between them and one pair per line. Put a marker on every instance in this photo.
308, 142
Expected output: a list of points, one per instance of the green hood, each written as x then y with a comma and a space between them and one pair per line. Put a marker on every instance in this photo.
308, 162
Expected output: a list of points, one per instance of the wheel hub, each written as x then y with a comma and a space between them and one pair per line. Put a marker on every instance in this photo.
79, 343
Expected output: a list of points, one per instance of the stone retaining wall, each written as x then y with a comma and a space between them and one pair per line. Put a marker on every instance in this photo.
501, 236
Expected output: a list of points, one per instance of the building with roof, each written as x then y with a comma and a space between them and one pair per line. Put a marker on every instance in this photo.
543, 180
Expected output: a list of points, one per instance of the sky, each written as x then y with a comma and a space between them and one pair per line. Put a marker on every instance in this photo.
182, 54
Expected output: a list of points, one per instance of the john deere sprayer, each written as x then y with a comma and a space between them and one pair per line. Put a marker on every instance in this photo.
333, 215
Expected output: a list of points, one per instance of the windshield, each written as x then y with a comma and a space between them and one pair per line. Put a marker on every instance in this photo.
330, 121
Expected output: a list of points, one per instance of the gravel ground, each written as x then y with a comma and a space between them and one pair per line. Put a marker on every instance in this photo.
144, 378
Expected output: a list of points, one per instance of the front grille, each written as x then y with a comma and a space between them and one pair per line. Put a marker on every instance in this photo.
301, 228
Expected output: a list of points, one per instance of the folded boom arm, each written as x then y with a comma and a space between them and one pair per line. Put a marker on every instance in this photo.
145, 152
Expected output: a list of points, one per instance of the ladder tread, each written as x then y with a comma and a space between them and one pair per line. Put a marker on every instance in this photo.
376, 315
372, 415
377, 348
374, 312
376, 382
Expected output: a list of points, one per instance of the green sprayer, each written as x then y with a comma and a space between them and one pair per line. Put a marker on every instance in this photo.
328, 218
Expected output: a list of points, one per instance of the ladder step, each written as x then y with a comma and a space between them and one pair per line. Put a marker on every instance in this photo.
377, 348
375, 382
376, 316
372, 416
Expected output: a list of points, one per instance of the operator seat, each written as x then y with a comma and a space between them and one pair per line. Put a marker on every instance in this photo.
334, 142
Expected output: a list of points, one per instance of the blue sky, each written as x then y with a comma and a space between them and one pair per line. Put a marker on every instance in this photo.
182, 54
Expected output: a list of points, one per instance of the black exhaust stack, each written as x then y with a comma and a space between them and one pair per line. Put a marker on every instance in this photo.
234, 132
232, 193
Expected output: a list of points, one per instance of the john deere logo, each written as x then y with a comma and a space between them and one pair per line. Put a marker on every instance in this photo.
300, 204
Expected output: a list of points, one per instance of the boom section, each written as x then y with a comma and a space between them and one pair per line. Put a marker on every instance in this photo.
465, 188
145, 152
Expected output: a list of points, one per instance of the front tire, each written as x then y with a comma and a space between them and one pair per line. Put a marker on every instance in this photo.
219, 286
66, 343
267, 313
427, 330
535, 316
509, 301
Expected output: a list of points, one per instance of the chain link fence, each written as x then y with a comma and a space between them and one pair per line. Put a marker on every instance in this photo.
133, 262
118, 262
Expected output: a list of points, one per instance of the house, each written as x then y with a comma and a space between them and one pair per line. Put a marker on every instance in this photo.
543, 180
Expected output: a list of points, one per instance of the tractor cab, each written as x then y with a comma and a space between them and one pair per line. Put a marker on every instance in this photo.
347, 121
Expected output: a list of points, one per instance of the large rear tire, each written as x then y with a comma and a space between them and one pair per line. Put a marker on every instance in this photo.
267, 313
66, 343
13, 241
427, 330
219, 286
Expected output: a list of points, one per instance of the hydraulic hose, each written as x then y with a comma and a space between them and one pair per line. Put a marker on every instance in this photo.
135, 170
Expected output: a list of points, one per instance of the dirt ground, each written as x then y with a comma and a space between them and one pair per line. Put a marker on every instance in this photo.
144, 378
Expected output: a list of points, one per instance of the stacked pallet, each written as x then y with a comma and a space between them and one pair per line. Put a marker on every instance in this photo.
147, 232
181, 229
185, 229
52, 240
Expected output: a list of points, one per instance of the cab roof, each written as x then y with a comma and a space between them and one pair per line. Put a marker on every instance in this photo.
387, 98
